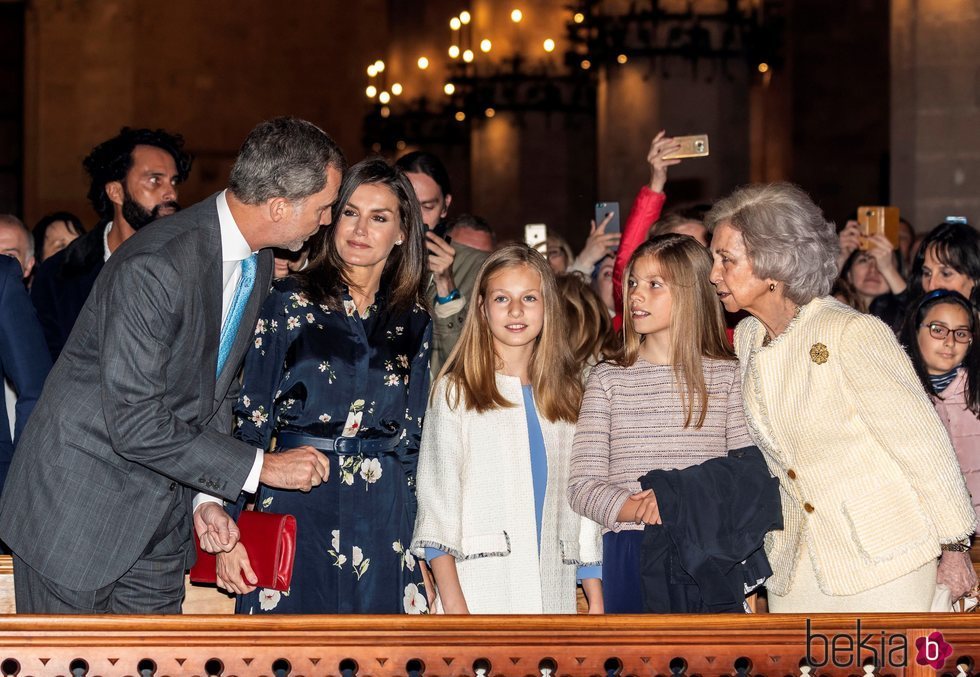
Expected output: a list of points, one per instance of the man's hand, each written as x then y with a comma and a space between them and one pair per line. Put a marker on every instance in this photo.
660, 146
215, 528
234, 571
301, 468
441, 257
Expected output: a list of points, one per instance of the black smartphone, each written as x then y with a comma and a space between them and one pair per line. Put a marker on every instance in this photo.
440, 230
602, 210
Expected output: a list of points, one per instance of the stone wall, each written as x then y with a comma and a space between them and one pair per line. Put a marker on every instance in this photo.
935, 129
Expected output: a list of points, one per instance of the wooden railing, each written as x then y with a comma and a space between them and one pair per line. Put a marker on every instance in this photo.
517, 646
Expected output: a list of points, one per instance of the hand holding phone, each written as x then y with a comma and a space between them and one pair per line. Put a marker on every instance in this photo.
610, 211
658, 158
690, 146
603, 237
876, 220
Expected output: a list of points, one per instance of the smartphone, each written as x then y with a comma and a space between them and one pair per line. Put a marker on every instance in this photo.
440, 230
535, 235
691, 146
878, 219
602, 210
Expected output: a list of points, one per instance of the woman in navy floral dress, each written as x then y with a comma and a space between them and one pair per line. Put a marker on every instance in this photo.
341, 363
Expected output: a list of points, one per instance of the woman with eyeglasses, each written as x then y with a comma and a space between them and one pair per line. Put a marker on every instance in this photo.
940, 334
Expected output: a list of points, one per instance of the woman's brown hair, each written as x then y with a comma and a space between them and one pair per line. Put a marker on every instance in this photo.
470, 371
404, 275
590, 329
697, 324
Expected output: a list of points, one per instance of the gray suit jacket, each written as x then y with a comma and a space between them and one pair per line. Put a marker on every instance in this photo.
132, 412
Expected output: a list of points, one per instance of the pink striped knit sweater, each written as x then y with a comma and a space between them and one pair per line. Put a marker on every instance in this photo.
632, 421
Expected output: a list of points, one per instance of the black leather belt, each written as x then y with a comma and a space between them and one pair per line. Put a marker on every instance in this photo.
341, 445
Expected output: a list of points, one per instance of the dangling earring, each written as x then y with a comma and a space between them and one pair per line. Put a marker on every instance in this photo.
772, 287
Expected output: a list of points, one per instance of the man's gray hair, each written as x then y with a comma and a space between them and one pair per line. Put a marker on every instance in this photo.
11, 220
284, 157
786, 237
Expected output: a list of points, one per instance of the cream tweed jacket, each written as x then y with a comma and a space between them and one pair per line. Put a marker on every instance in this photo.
868, 477
476, 502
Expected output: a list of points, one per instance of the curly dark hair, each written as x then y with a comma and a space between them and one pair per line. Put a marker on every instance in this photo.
112, 159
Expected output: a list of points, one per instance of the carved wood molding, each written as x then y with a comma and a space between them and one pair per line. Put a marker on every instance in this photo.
513, 646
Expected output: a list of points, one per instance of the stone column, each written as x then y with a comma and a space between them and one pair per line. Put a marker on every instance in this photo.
935, 122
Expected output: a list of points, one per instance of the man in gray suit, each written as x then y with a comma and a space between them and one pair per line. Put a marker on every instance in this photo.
136, 414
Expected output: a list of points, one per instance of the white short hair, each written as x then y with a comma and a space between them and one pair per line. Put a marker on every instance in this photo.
786, 237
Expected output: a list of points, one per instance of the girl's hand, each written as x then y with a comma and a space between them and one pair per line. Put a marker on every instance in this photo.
447, 579
640, 505
455, 607
592, 587
660, 146
884, 255
850, 239
598, 245
881, 249
234, 571
646, 511
430, 584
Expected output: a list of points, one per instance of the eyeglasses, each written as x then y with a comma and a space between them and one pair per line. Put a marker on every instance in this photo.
939, 332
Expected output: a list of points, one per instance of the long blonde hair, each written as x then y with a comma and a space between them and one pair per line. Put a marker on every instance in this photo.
697, 324
470, 370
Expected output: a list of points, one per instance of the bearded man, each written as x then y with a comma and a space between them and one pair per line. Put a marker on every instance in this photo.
134, 181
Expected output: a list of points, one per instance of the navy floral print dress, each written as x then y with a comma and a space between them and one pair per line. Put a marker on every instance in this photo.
333, 374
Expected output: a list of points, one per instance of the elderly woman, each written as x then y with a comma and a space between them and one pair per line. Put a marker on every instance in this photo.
871, 491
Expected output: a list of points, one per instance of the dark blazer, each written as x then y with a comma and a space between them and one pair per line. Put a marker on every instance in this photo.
23, 358
711, 543
132, 411
62, 284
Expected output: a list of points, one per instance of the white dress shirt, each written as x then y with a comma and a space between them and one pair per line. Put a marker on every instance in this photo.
234, 250
106, 252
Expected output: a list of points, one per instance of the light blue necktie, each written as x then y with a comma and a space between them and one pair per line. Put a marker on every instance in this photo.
230, 329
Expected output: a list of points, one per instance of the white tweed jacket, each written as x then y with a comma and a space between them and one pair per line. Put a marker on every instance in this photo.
476, 502
868, 477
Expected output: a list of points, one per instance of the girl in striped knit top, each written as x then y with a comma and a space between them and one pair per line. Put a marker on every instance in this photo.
672, 399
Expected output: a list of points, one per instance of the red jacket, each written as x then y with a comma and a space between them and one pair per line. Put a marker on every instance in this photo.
646, 210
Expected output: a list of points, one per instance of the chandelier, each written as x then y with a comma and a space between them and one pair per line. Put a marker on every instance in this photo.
479, 84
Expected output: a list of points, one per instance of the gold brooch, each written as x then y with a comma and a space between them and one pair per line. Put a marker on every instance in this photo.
819, 353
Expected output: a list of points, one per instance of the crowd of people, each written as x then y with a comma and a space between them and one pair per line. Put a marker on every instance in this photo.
718, 401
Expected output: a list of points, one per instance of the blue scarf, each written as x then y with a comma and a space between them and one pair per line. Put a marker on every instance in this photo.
941, 381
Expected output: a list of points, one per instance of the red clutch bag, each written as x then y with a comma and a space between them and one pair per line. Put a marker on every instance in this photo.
269, 540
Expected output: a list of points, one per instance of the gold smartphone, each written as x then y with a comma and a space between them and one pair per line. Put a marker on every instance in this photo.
691, 146
873, 220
